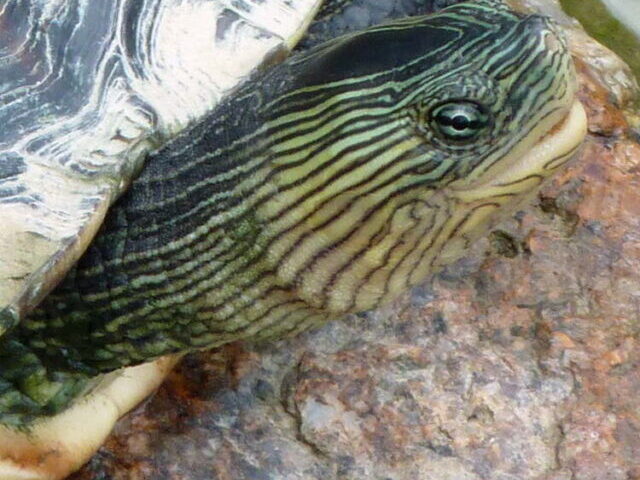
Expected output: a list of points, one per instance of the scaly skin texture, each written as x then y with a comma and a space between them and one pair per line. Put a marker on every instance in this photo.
325, 186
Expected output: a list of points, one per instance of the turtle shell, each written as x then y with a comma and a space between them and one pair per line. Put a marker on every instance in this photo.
86, 89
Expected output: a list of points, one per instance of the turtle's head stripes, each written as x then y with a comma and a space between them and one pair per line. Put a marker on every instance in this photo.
383, 148
327, 185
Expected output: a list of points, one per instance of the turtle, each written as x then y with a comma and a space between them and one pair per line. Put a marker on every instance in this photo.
326, 184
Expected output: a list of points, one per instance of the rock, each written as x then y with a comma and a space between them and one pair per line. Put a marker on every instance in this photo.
517, 363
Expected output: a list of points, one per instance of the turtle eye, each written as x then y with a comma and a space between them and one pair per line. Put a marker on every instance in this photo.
459, 121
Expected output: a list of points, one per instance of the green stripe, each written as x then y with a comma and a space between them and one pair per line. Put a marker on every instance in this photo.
289, 206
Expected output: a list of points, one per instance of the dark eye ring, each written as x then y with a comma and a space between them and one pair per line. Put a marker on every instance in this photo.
459, 121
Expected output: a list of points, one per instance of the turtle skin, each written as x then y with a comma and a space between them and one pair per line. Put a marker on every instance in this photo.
126, 302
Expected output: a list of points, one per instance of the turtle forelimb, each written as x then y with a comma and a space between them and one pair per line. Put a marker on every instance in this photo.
53, 447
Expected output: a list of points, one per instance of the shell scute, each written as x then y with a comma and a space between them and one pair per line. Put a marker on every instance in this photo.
86, 90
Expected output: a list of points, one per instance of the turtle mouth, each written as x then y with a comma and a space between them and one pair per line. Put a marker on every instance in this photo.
534, 159
550, 151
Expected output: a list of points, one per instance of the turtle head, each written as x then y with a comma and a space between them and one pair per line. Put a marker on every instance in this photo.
504, 115
404, 142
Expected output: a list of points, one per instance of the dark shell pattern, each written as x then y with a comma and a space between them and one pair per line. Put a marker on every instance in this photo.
86, 89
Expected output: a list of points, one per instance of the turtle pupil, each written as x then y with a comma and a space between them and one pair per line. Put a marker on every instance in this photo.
460, 122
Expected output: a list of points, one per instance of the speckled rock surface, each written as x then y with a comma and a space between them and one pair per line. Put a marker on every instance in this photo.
521, 362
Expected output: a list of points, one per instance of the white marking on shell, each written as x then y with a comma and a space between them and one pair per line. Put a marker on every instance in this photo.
95, 87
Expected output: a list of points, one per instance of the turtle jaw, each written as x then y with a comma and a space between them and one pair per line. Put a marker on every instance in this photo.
519, 172
54, 447
499, 190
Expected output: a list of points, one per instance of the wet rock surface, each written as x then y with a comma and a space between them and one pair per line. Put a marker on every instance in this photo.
520, 362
